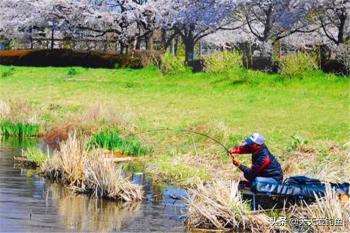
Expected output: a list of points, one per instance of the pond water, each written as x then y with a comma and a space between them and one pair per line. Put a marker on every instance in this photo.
32, 204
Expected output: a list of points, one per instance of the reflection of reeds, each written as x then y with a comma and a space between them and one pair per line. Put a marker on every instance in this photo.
82, 213
220, 206
88, 172
328, 214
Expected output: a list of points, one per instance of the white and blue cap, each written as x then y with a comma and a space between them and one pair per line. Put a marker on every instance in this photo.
256, 138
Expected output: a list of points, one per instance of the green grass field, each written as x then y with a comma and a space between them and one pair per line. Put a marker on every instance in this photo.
234, 104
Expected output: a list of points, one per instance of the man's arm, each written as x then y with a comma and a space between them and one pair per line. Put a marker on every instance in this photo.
258, 167
240, 150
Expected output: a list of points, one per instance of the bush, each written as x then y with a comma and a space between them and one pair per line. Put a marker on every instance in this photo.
172, 64
72, 72
220, 62
294, 65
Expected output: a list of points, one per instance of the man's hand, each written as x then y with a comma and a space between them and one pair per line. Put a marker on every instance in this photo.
236, 162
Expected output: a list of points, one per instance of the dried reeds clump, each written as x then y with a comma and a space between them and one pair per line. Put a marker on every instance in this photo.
103, 180
89, 172
220, 206
327, 214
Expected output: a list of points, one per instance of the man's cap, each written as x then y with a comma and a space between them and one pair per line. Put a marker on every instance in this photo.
255, 138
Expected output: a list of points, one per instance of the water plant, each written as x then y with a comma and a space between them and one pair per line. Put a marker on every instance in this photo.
19, 129
110, 139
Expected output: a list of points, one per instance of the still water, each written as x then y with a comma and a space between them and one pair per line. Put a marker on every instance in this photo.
32, 204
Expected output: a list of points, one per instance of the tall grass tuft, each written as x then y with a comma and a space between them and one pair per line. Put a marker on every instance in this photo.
19, 129
220, 206
329, 208
111, 140
88, 172
34, 154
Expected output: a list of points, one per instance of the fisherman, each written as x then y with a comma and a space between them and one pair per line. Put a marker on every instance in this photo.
264, 164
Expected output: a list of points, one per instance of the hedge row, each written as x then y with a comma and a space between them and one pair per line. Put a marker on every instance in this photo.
66, 57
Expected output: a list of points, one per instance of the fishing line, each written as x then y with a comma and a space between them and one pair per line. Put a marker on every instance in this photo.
186, 131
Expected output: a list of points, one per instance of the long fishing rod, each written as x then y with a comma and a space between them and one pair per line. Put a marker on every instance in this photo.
186, 131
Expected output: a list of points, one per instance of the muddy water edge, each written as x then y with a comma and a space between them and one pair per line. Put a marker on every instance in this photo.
30, 203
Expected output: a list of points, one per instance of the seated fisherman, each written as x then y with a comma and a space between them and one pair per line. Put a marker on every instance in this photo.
264, 164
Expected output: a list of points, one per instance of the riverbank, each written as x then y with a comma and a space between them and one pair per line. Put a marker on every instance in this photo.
293, 114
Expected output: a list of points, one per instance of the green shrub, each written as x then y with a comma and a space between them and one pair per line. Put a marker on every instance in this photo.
72, 72
111, 140
294, 65
296, 144
172, 64
8, 73
220, 62
19, 129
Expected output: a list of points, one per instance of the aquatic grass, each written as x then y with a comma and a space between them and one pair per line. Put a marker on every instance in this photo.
88, 172
34, 154
19, 129
111, 140
219, 205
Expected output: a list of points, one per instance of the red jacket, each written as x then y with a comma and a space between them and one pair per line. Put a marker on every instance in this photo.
264, 164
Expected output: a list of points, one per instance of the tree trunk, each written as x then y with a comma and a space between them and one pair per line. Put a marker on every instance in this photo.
149, 41
189, 51
341, 29
52, 38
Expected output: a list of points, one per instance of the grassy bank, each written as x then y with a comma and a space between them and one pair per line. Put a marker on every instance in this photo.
227, 106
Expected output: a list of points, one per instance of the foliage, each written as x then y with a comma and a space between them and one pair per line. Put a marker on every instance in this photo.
19, 129
172, 65
111, 140
296, 143
295, 65
221, 62
34, 154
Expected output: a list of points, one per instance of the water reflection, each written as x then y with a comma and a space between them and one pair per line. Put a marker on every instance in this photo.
81, 213
31, 203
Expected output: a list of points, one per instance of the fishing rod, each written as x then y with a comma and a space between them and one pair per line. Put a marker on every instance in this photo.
186, 131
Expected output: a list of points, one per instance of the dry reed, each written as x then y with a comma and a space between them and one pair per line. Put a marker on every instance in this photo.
89, 172
4, 109
220, 206
327, 214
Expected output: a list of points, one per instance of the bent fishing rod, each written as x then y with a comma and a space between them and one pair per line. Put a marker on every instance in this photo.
186, 131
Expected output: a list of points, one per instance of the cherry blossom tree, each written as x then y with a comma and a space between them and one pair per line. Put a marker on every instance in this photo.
334, 18
193, 20
273, 20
